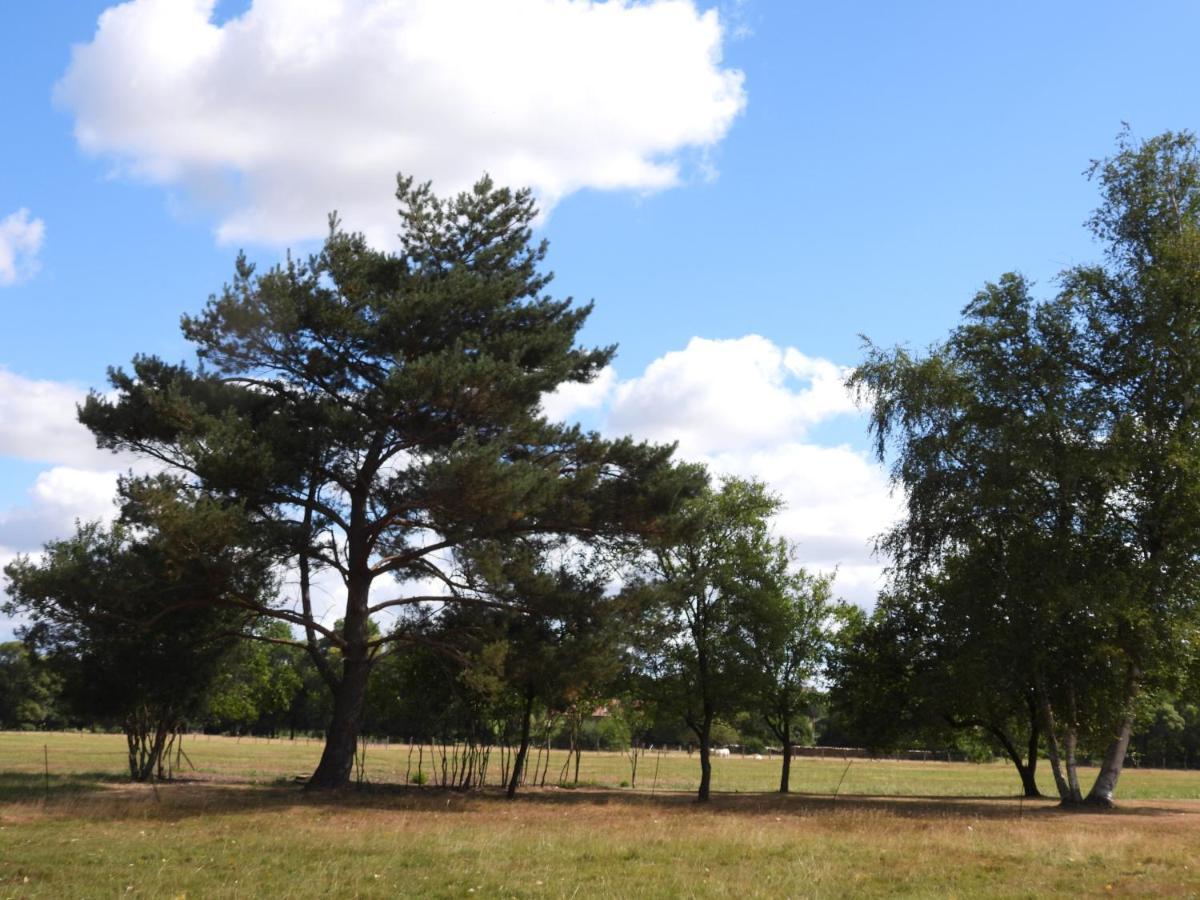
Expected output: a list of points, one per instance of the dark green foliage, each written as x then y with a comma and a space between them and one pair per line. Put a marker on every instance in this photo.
139, 617
783, 622
1048, 453
29, 689
375, 412
699, 578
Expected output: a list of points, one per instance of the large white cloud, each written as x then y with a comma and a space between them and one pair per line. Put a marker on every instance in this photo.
295, 108
572, 398
38, 423
746, 407
20, 242
744, 394
58, 498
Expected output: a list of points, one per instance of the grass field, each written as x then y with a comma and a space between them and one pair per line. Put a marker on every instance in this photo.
237, 828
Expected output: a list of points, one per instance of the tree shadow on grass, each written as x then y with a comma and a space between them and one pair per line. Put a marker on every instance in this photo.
104, 797
25, 787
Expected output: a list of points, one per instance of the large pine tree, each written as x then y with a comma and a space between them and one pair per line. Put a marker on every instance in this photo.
377, 411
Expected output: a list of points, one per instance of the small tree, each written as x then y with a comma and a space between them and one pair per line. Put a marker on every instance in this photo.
783, 632
257, 682
695, 575
29, 688
128, 613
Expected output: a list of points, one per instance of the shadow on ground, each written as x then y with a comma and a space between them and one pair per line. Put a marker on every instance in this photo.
25, 787
102, 796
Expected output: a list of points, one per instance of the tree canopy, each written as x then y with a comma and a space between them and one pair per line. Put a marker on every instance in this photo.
376, 412
1048, 451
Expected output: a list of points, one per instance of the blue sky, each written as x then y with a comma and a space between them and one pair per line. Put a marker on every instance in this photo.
800, 172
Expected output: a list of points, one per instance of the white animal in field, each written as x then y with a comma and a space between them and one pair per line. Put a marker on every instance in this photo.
721, 753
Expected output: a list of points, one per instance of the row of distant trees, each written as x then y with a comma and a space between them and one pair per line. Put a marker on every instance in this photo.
273, 690
375, 417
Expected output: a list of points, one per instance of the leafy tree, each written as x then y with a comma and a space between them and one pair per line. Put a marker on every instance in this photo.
913, 675
128, 613
1050, 448
782, 634
548, 638
257, 682
695, 574
376, 411
28, 688
1143, 309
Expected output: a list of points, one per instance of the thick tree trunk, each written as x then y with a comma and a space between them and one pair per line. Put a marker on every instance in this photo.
1028, 775
1101, 793
523, 750
341, 740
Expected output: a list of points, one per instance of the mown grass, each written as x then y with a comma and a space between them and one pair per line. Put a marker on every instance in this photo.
224, 836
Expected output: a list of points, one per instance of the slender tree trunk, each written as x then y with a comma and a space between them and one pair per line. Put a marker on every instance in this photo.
1070, 739
1029, 775
341, 740
785, 776
705, 735
1051, 729
523, 750
1026, 771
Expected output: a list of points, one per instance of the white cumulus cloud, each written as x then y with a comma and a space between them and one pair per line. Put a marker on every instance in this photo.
572, 398
745, 407
293, 109
20, 242
57, 499
38, 423
721, 394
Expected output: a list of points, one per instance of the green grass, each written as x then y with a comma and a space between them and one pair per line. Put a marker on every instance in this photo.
897, 829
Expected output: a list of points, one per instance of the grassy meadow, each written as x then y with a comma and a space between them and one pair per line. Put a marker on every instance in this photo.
236, 826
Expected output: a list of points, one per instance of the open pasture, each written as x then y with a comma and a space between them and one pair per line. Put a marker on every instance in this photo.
897, 828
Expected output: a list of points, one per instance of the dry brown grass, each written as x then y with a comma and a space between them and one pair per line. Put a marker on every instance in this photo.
221, 838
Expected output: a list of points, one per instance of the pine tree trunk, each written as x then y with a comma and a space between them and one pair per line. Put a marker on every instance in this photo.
341, 740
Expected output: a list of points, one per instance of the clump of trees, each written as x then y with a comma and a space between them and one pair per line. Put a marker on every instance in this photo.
374, 419
138, 618
1049, 454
